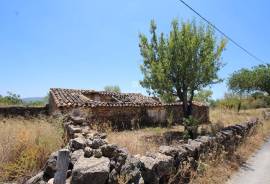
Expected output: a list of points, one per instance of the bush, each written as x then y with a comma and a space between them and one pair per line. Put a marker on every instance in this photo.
10, 99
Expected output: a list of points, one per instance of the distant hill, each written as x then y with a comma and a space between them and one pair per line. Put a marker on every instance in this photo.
32, 99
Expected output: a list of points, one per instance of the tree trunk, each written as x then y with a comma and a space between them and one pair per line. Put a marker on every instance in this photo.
187, 112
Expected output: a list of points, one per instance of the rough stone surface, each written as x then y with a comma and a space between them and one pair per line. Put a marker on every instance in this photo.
93, 160
96, 143
91, 171
131, 170
109, 150
97, 153
77, 143
73, 129
156, 167
50, 166
77, 119
88, 152
36, 179
76, 155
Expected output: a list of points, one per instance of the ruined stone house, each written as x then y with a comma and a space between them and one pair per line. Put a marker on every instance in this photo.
121, 108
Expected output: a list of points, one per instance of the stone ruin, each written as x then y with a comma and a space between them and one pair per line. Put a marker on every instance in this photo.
122, 110
92, 160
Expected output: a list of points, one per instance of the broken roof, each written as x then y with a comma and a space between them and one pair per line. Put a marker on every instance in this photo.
80, 98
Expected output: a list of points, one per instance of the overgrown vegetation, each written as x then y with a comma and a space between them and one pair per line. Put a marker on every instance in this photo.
236, 102
149, 139
111, 88
15, 99
25, 144
11, 99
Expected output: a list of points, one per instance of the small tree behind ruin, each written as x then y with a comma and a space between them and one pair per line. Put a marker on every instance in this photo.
115, 89
177, 65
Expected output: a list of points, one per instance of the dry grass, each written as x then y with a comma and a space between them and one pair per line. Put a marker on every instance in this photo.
219, 171
230, 117
25, 145
140, 141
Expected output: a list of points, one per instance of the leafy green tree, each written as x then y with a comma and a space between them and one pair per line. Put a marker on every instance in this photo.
250, 80
115, 89
185, 61
204, 96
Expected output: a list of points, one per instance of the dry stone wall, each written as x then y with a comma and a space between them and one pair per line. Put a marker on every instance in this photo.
95, 161
136, 117
23, 111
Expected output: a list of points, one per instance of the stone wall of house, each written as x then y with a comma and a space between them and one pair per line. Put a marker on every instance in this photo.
23, 111
129, 117
94, 161
137, 117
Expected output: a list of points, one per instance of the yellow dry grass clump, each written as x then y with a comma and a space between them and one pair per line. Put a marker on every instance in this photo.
140, 141
230, 117
25, 145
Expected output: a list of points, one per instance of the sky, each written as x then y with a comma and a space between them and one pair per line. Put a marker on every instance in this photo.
88, 44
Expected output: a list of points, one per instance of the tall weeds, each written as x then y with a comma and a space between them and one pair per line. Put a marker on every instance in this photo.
25, 145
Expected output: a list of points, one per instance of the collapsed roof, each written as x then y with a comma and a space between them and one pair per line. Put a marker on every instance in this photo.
91, 98
80, 98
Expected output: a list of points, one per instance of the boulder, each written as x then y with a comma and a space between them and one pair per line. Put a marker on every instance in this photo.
77, 143
77, 119
177, 152
109, 150
36, 179
76, 155
88, 152
96, 143
73, 129
113, 177
50, 166
91, 171
131, 170
156, 168
97, 153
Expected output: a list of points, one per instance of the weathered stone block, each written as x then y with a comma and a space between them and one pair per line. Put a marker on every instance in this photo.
91, 171
156, 167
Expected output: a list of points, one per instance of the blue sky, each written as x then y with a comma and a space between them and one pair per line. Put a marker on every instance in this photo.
91, 43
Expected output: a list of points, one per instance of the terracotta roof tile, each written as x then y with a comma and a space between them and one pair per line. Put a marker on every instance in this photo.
78, 98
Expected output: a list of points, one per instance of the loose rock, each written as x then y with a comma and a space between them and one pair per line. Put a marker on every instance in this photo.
156, 167
88, 152
76, 155
97, 153
50, 166
77, 143
91, 171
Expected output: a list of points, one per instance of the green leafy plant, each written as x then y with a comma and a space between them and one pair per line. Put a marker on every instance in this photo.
186, 61
191, 126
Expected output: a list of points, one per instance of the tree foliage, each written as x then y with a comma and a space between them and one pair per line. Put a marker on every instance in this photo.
179, 64
11, 99
115, 89
204, 96
250, 80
